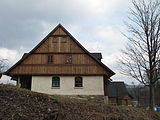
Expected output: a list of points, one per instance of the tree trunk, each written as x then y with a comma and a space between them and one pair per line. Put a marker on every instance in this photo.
151, 99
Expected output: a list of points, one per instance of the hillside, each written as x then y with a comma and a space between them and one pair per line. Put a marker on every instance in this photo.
21, 104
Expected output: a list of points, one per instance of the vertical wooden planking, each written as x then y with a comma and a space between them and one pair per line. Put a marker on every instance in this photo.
56, 32
36, 63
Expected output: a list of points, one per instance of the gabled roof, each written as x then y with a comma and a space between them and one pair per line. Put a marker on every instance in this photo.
98, 56
24, 55
59, 25
117, 90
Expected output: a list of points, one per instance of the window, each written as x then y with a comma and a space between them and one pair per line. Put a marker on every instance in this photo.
68, 59
55, 82
50, 59
78, 82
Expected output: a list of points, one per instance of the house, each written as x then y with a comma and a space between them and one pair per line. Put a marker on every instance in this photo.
118, 94
59, 64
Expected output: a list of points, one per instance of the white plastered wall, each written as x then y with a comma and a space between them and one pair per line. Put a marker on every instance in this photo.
92, 85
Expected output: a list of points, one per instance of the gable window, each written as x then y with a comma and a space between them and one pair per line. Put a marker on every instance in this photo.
50, 59
78, 82
55, 82
68, 59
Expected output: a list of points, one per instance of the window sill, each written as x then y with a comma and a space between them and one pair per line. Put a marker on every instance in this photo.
55, 87
78, 87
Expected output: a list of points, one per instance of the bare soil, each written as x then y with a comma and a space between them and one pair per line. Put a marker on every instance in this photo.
21, 104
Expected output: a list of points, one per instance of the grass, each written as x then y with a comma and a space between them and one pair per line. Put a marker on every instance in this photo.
74, 99
69, 105
119, 110
122, 106
66, 98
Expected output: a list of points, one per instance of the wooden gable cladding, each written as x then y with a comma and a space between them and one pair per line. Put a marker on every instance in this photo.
59, 31
58, 70
77, 59
37, 64
59, 41
58, 44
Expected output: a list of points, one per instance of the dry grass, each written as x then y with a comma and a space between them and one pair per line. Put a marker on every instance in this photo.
21, 104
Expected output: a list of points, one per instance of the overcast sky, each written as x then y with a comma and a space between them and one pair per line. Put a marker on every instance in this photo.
96, 24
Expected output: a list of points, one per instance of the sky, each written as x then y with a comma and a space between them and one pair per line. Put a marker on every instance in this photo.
97, 24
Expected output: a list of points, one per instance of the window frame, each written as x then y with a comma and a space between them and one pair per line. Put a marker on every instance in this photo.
49, 59
78, 84
57, 82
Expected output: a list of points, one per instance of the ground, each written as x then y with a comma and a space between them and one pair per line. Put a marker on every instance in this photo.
21, 104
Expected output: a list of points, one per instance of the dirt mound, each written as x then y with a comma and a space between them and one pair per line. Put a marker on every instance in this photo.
21, 104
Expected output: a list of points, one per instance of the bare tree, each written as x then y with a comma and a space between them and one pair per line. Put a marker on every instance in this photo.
141, 57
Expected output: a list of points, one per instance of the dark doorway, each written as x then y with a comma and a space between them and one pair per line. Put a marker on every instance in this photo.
26, 82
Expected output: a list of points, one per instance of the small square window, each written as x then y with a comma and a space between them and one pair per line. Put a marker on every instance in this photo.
50, 59
78, 82
55, 82
69, 59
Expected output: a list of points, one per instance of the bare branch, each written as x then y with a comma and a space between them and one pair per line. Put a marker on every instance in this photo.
142, 54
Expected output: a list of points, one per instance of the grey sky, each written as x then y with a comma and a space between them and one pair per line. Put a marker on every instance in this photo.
96, 24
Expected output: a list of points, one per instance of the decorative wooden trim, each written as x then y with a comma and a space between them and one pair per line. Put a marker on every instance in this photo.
66, 62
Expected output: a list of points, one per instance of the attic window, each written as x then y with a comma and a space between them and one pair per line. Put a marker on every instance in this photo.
78, 82
50, 59
68, 59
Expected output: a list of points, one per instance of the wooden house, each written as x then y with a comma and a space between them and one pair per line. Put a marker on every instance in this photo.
118, 94
59, 64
